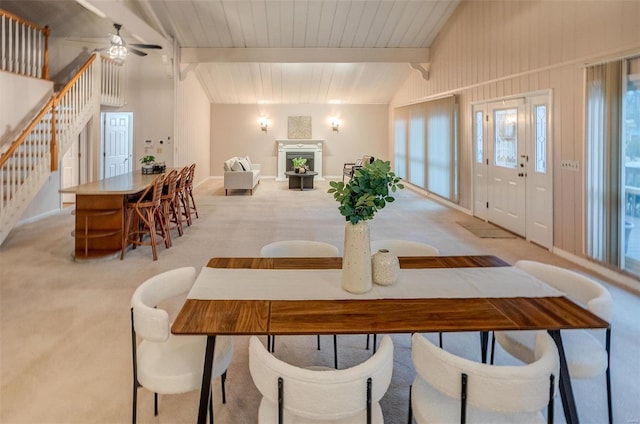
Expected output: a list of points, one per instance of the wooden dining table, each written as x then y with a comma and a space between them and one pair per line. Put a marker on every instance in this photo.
212, 317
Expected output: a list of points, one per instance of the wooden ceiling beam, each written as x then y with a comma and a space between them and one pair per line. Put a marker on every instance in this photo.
303, 55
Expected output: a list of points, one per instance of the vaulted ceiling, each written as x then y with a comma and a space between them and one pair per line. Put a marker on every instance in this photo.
268, 51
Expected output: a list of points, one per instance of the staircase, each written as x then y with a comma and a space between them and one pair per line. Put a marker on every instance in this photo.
30, 159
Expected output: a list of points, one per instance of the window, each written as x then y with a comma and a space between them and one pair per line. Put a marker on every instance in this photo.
400, 145
427, 133
612, 131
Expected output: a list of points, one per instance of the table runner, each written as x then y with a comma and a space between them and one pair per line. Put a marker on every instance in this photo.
317, 284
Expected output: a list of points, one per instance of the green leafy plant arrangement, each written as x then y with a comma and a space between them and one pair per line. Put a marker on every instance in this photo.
367, 192
148, 159
298, 162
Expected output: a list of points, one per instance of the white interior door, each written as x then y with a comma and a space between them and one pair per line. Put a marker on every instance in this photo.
117, 140
506, 172
481, 163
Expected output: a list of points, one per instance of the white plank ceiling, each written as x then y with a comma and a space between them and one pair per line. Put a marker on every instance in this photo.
283, 51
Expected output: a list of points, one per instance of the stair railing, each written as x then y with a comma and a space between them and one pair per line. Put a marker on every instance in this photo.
27, 163
73, 108
24, 46
26, 160
112, 82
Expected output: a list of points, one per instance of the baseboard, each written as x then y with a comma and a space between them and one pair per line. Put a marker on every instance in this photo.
437, 199
65, 211
617, 278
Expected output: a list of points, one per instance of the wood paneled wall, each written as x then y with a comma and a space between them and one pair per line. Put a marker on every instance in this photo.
495, 49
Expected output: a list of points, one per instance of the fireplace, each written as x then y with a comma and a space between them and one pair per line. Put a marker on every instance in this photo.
293, 155
294, 148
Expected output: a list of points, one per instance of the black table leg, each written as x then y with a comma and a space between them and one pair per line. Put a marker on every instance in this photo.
205, 389
566, 393
484, 343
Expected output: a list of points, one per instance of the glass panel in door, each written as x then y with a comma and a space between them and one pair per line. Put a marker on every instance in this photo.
506, 138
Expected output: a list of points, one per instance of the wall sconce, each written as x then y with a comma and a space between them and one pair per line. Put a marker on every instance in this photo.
335, 124
264, 124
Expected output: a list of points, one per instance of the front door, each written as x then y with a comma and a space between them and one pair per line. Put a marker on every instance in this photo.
506, 171
512, 171
117, 141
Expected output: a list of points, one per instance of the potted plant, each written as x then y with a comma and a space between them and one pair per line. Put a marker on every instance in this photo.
366, 193
299, 165
147, 162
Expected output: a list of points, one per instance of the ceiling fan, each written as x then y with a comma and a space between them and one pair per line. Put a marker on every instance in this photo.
119, 49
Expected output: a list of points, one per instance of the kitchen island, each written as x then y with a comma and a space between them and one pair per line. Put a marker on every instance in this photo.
100, 213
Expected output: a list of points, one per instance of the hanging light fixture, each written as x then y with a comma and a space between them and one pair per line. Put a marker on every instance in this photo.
118, 52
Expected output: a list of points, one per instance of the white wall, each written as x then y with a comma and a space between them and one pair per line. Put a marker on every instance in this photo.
149, 94
235, 132
495, 49
193, 127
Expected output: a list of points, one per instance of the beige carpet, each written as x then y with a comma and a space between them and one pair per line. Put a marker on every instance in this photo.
485, 230
65, 354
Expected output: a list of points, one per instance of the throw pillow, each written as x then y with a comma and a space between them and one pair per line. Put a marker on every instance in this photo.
228, 164
246, 165
236, 166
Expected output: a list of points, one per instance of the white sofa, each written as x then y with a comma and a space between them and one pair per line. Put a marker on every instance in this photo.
241, 174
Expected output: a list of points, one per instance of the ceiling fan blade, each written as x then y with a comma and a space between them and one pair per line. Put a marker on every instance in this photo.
101, 49
147, 46
136, 52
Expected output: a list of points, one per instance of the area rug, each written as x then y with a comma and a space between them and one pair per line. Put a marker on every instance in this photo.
485, 230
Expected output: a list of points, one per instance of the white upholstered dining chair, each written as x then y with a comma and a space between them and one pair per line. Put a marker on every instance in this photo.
162, 362
297, 395
587, 356
403, 248
449, 389
300, 249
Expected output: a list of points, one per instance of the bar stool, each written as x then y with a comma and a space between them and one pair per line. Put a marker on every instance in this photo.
189, 187
183, 196
169, 209
141, 219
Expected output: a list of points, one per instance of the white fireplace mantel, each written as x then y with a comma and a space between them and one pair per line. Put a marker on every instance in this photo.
299, 145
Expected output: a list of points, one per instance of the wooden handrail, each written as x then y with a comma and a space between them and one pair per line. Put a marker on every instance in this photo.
75, 78
46, 32
23, 21
51, 104
16, 144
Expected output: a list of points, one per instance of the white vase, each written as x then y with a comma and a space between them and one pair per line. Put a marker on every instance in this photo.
356, 258
385, 267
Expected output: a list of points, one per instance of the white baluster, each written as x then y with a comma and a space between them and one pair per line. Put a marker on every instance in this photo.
3, 40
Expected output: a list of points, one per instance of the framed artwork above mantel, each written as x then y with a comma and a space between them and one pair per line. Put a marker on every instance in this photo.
299, 127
